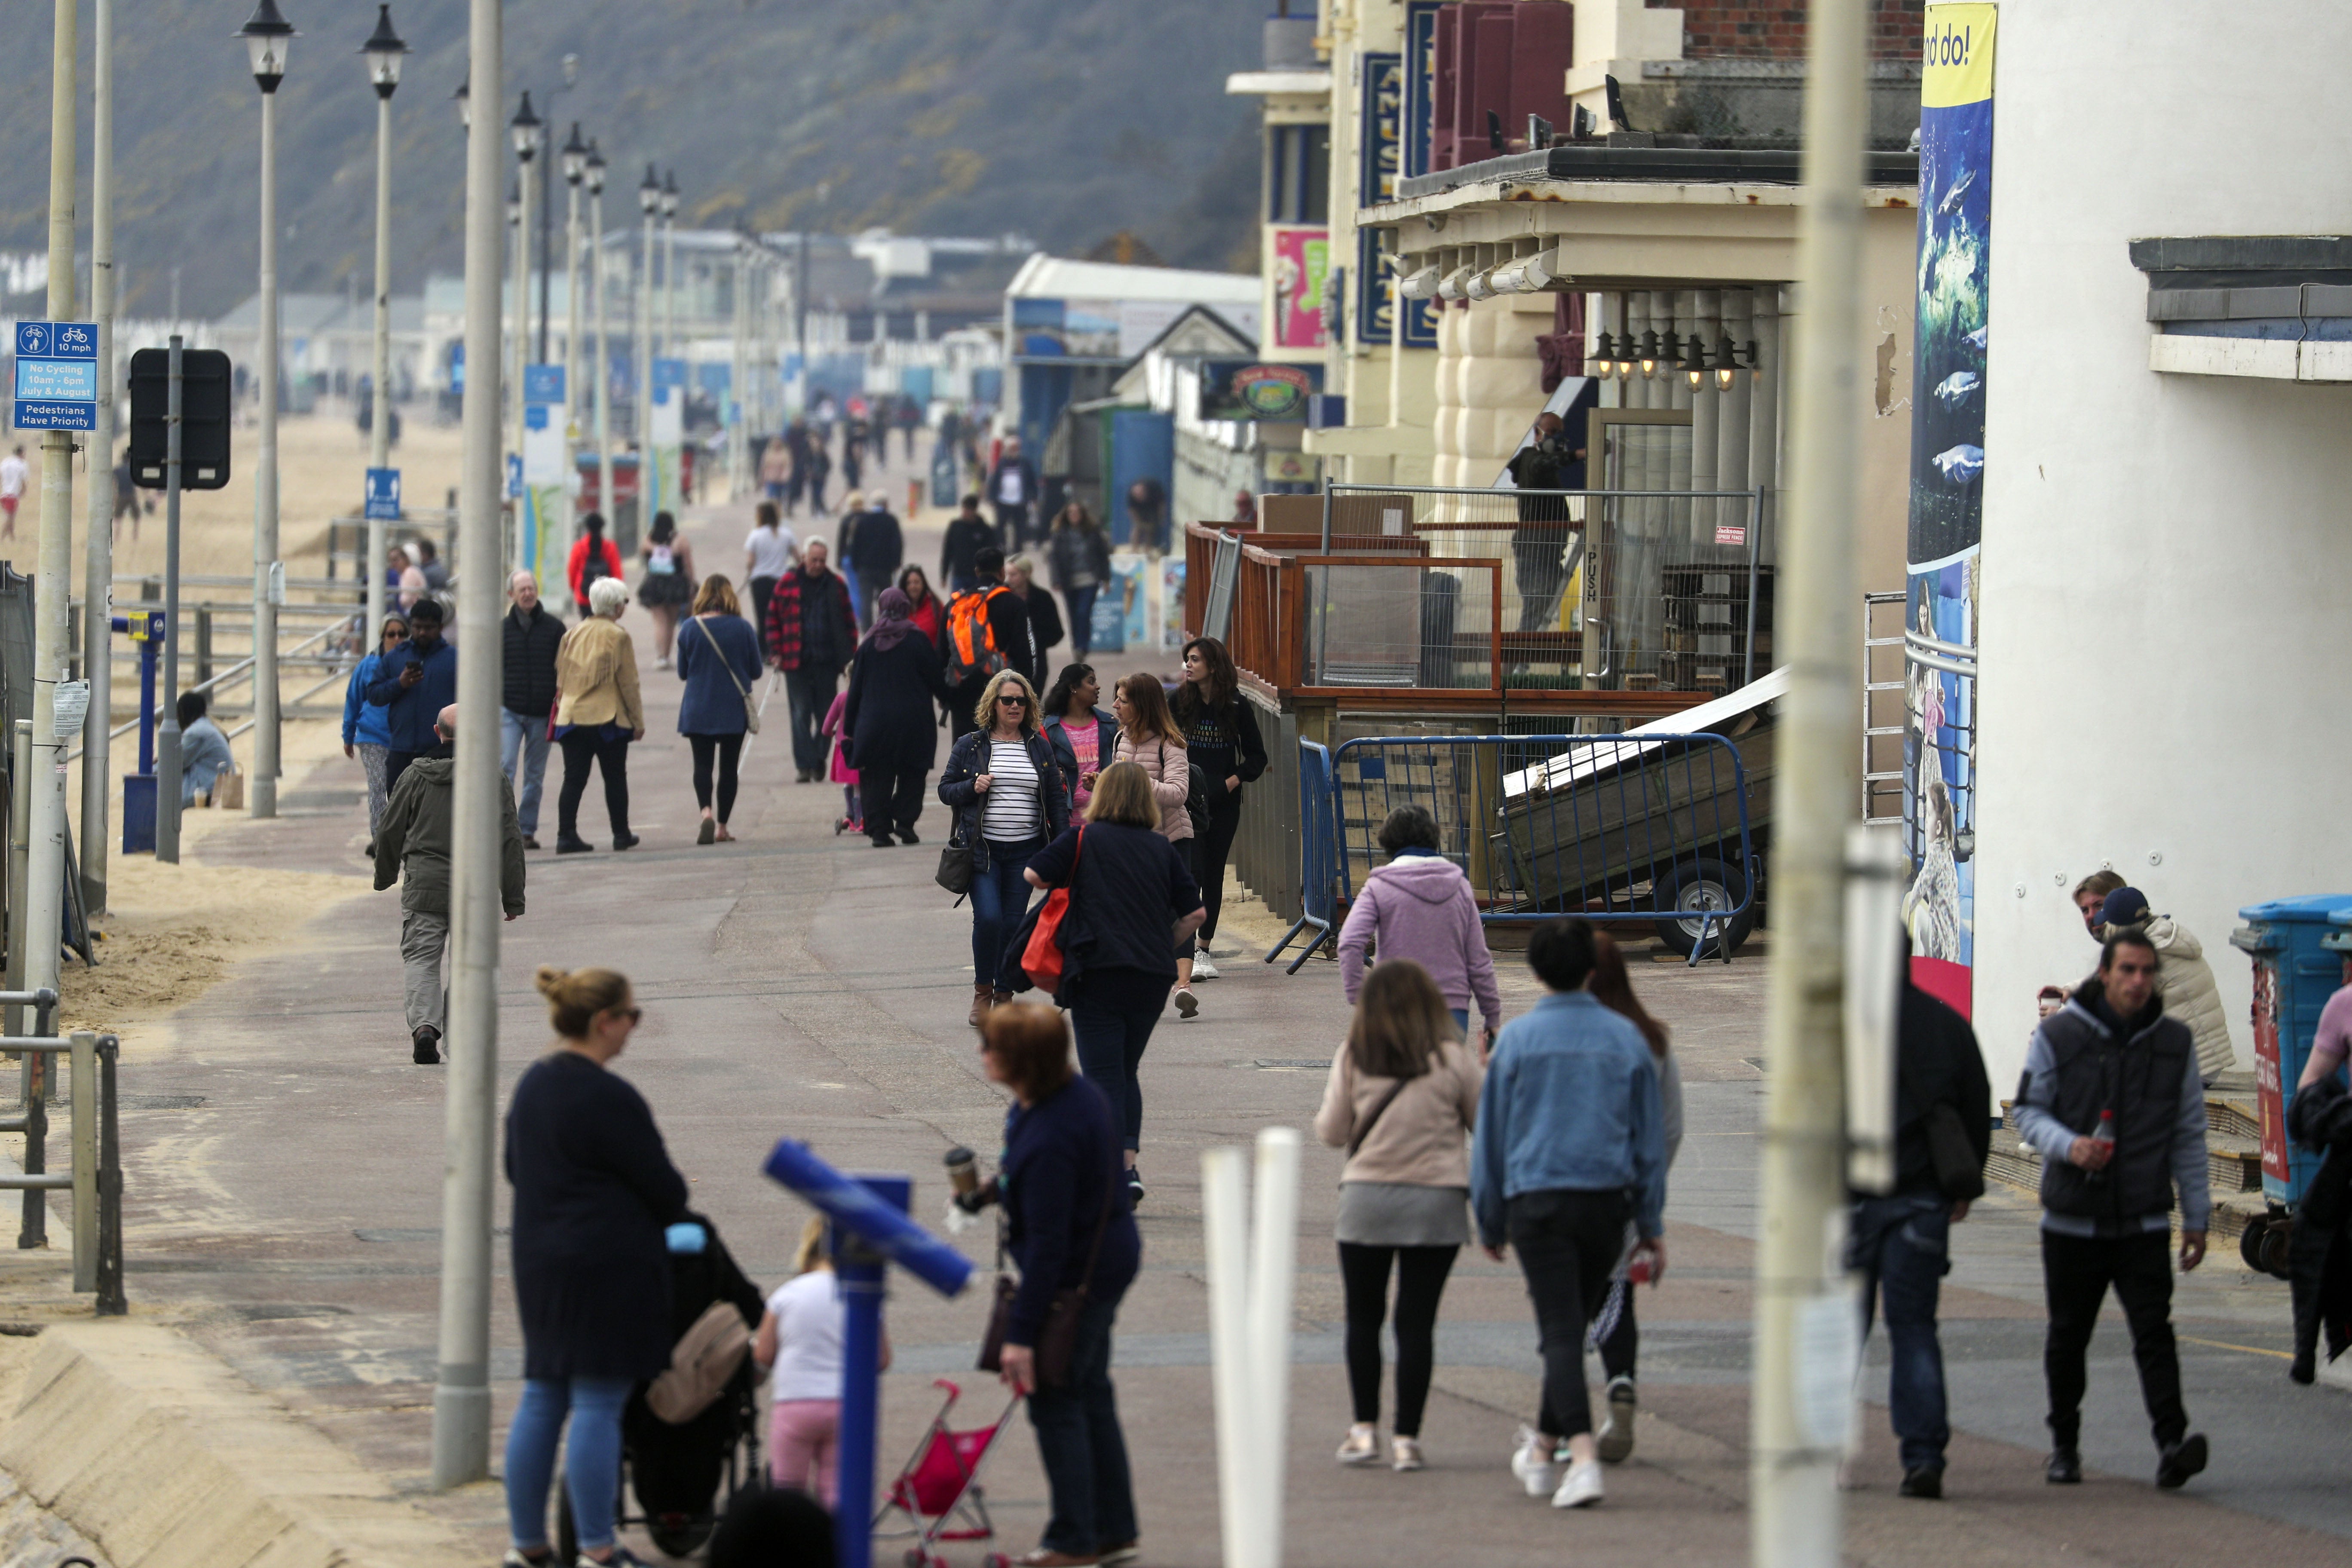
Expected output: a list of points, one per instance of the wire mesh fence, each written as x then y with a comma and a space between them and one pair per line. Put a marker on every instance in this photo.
1602, 589
1635, 830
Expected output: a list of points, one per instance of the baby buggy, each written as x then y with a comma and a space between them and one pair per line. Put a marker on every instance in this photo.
677, 1471
941, 1484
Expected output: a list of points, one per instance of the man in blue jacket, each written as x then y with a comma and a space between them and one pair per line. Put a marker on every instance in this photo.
417, 682
1571, 1145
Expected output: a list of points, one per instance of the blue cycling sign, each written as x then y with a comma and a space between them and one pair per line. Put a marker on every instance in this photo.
57, 376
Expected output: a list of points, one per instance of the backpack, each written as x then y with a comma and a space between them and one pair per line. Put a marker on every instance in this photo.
592, 566
703, 1360
971, 650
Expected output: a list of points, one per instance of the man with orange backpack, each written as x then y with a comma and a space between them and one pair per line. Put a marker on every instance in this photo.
985, 629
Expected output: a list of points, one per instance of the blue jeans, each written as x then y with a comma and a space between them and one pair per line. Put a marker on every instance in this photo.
1082, 1448
1082, 618
1112, 1031
1902, 1245
524, 737
999, 899
592, 1462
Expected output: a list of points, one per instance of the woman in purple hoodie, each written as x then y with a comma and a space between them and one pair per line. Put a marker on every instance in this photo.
1419, 906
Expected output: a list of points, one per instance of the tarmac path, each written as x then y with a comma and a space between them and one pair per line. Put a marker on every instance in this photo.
802, 983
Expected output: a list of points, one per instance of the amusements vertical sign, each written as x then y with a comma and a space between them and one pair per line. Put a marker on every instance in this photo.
1947, 459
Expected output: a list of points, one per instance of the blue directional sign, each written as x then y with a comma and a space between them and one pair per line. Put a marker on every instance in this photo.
542, 384
669, 372
514, 476
384, 494
57, 376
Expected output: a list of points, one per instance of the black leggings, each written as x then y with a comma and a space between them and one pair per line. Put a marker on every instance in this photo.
1212, 844
1421, 1281
580, 747
1622, 1342
728, 748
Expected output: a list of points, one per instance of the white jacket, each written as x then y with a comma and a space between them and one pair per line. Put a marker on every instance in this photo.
2185, 981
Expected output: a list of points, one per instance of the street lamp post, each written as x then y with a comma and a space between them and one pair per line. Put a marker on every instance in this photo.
384, 50
669, 266
266, 34
461, 1393
604, 362
648, 202
575, 169
528, 131
45, 874
98, 552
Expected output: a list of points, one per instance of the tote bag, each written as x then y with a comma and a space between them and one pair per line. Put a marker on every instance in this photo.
1042, 959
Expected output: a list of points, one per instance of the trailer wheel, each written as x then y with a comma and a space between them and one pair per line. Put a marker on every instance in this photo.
2250, 1243
1693, 888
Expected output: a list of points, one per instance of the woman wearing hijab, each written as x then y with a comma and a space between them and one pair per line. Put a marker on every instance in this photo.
889, 718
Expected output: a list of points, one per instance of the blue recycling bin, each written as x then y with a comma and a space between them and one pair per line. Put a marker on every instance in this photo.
139, 813
2298, 965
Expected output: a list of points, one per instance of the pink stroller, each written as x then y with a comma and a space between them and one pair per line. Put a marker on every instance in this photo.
940, 1483
841, 773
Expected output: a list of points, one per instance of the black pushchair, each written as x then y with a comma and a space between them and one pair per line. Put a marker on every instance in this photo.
677, 1471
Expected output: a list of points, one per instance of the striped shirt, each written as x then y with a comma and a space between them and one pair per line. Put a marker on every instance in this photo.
1014, 812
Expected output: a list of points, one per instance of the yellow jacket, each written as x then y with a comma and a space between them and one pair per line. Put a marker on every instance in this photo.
596, 672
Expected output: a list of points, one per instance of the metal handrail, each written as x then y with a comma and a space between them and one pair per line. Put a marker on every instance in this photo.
94, 1176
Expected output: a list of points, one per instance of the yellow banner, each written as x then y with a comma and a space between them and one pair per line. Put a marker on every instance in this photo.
1957, 59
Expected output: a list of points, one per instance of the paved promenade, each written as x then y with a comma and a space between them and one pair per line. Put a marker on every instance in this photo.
802, 983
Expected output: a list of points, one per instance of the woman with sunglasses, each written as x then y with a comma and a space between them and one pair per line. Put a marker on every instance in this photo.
594, 1196
367, 728
1008, 798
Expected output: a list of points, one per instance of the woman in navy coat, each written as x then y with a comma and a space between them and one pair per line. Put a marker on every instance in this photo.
889, 718
595, 1194
719, 659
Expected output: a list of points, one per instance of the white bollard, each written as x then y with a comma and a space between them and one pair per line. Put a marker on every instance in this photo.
1274, 1272
1224, 1226
1251, 1273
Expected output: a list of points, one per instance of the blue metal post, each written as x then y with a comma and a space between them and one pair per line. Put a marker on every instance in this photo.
871, 1230
859, 1267
148, 647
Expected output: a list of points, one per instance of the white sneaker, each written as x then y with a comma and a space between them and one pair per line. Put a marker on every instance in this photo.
1404, 1454
1186, 1002
1362, 1446
1616, 1435
1534, 1464
1582, 1488
1202, 968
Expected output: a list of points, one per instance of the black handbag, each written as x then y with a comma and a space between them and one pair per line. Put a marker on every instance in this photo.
1959, 1176
955, 868
1057, 1341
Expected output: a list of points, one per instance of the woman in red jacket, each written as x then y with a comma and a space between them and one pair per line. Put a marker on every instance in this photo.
593, 557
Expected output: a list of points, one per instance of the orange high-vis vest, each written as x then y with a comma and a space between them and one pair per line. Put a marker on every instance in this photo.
971, 642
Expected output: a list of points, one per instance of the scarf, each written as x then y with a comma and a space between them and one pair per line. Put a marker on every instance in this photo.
891, 609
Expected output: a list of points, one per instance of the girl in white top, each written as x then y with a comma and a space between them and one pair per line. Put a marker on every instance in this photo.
799, 1344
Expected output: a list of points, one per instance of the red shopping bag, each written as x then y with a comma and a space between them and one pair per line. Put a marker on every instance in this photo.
1042, 959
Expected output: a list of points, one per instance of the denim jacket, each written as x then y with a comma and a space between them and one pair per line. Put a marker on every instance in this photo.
1570, 1102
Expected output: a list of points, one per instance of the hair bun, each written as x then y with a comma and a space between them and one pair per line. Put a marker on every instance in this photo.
549, 980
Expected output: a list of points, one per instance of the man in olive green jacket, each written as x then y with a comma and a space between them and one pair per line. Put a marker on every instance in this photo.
413, 843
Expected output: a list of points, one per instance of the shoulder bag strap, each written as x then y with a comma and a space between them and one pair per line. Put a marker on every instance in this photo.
709, 636
1364, 1130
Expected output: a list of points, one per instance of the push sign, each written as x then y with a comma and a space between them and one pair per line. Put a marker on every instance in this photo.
57, 376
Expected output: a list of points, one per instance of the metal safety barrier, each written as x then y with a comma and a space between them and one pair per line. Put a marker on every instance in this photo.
1619, 829
1318, 845
94, 1176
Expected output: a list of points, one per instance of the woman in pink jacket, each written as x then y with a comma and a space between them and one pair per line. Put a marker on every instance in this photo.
1149, 738
1419, 906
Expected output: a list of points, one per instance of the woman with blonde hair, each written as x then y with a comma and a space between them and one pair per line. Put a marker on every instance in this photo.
1007, 795
719, 659
799, 1343
1132, 902
598, 714
594, 1192
1149, 738
1401, 1100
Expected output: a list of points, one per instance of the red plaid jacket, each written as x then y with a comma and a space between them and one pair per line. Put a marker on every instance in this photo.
784, 617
